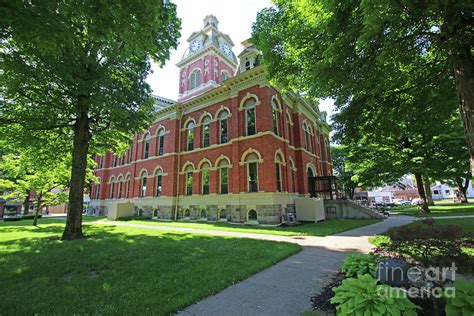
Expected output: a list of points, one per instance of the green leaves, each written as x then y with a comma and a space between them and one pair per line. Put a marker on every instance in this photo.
362, 296
462, 303
358, 264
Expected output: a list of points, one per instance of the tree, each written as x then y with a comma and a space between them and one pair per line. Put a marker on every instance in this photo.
79, 68
335, 49
342, 172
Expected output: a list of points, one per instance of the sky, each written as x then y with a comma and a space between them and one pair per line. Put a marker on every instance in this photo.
235, 19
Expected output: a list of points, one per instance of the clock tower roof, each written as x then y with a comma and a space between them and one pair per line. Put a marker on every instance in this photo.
209, 36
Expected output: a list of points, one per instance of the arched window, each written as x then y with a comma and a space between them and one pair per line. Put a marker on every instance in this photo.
206, 141
223, 126
250, 117
205, 178
112, 188
97, 191
120, 188
159, 182
187, 213
252, 215
224, 75
276, 118
309, 133
143, 183
190, 136
224, 176
146, 146
161, 142
222, 214
252, 172
288, 128
292, 176
195, 79
127, 187
278, 164
189, 180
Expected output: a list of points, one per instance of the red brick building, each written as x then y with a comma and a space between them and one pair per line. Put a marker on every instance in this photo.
232, 148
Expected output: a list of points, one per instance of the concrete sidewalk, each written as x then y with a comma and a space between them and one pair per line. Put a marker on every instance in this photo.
286, 288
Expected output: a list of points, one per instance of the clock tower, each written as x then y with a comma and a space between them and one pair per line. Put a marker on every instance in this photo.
207, 62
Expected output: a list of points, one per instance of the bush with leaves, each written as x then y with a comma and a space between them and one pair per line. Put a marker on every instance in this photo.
362, 296
358, 264
428, 243
463, 301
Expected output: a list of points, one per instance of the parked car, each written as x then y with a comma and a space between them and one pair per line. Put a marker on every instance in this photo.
416, 201
401, 202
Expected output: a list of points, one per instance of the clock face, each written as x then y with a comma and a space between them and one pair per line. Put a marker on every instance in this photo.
226, 49
195, 46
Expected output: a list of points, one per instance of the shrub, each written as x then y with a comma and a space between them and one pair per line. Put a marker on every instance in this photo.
362, 296
428, 243
12, 219
358, 264
462, 303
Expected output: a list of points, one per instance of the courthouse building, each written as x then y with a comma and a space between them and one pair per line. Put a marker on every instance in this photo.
231, 148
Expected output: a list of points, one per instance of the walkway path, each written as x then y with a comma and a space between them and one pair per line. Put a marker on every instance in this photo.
286, 287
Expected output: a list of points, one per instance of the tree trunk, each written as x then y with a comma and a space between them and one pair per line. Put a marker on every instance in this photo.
38, 207
463, 67
26, 203
462, 189
421, 192
73, 228
427, 184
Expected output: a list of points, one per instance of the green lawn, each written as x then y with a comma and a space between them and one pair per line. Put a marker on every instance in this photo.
120, 270
439, 210
324, 228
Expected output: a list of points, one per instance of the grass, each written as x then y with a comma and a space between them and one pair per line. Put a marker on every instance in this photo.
439, 210
324, 228
121, 270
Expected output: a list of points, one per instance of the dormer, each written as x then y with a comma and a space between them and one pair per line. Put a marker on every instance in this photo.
249, 57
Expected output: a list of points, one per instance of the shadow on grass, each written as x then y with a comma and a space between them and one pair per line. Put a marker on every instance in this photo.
119, 270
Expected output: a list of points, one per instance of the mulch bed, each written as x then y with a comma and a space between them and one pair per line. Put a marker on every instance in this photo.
321, 301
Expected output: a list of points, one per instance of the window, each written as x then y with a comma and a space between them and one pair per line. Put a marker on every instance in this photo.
159, 179
288, 128
446, 191
195, 79
252, 169
205, 178
250, 117
122, 159
187, 213
130, 153
161, 142
143, 189
146, 146
252, 215
224, 75
97, 191
112, 189
127, 187
120, 186
276, 118
203, 213
206, 132
189, 181
223, 118
278, 176
115, 161
435, 192
222, 214
224, 177
190, 136
101, 162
